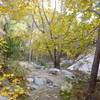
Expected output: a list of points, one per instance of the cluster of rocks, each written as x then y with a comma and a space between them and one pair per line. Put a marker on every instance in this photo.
30, 65
41, 83
38, 82
65, 73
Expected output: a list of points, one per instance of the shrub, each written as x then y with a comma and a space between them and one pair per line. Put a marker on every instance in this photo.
10, 83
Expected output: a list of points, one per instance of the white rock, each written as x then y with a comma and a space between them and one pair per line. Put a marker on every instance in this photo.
30, 79
49, 87
54, 71
68, 74
38, 81
84, 64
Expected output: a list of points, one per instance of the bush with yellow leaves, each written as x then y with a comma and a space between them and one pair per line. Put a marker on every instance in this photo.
11, 89
9, 84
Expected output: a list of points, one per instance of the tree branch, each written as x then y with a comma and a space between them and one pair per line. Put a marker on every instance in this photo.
53, 13
96, 12
36, 23
45, 13
41, 16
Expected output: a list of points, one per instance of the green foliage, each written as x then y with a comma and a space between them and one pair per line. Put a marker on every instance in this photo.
14, 46
67, 95
48, 66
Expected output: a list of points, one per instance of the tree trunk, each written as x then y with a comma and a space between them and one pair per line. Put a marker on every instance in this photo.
56, 59
57, 63
30, 55
95, 68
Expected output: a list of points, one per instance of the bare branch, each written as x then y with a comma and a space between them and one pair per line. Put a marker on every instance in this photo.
41, 16
36, 23
92, 10
45, 13
53, 13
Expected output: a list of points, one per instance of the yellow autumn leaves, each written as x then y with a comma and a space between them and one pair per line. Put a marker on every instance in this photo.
3, 47
8, 82
12, 89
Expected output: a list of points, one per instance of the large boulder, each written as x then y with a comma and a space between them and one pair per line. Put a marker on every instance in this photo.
84, 64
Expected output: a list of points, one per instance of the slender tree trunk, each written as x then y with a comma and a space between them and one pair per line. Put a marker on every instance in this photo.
56, 59
57, 63
95, 68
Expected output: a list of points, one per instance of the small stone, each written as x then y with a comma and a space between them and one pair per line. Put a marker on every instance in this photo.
50, 87
30, 79
38, 81
35, 87
55, 85
49, 82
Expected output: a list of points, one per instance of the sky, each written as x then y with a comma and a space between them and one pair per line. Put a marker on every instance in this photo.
58, 5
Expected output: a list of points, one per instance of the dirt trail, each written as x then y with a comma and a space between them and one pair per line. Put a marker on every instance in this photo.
47, 93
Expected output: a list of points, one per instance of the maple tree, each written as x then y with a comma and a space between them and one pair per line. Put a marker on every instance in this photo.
53, 32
